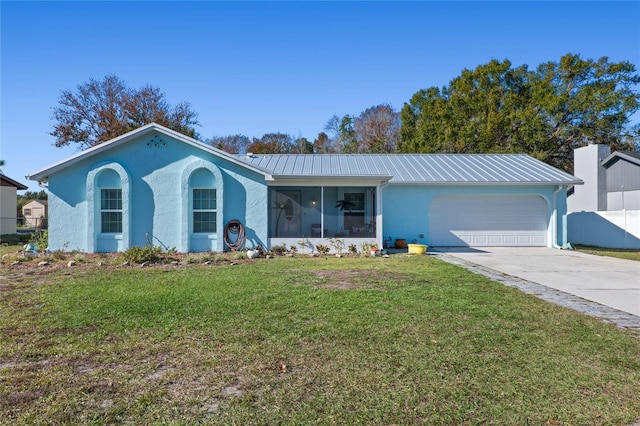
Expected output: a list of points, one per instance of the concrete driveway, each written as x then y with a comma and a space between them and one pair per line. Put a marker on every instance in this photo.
608, 281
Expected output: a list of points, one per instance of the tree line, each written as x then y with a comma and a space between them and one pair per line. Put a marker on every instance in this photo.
376, 130
497, 107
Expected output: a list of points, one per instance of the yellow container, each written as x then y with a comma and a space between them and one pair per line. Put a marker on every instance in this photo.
417, 248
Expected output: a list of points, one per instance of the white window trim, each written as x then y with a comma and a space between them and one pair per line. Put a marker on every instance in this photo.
187, 217
93, 206
193, 211
120, 210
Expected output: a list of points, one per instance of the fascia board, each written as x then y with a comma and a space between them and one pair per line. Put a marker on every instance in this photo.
330, 181
530, 183
43, 174
319, 177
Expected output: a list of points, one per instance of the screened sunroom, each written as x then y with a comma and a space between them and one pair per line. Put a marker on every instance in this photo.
317, 213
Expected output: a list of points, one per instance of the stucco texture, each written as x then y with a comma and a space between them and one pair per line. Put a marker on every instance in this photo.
407, 207
154, 172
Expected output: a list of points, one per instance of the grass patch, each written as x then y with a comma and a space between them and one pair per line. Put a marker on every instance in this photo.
620, 253
10, 248
404, 340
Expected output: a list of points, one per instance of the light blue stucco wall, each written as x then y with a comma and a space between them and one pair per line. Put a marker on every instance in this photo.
67, 212
406, 207
154, 171
157, 211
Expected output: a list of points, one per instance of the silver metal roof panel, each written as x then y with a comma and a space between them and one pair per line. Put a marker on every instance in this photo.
415, 168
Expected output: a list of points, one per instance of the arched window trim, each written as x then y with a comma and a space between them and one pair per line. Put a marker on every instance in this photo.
93, 204
186, 208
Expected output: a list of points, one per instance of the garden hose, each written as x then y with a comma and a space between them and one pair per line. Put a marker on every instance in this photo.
234, 227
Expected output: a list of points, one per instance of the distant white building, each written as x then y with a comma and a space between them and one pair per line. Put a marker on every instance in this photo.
35, 213
611, 180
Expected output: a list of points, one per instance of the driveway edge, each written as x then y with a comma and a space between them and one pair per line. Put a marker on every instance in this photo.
621, 319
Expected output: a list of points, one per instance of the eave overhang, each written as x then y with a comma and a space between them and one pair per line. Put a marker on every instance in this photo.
42, 175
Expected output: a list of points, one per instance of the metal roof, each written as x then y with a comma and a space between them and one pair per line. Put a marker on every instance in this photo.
414, 168
394, 168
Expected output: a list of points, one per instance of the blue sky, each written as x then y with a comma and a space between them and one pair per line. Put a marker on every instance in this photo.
253, 68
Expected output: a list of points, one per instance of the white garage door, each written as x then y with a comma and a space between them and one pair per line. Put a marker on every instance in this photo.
488, 220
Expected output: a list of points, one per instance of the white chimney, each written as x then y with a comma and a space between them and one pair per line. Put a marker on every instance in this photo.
587, 165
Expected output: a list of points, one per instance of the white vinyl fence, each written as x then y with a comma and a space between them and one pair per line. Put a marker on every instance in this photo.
611, 229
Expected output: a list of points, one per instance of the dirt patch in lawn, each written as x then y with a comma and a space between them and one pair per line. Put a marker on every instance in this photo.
349, 279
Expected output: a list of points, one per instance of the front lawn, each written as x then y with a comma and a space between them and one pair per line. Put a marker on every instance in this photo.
349, 341
620, 253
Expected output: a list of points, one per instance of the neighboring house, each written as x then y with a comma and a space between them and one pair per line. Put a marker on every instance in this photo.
35, 213
605, 211
611, 180
9, 204
154, 185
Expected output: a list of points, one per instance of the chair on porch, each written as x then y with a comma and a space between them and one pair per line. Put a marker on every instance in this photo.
316, 230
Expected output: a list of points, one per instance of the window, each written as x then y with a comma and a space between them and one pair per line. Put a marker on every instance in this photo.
354, 215
111, 210
27, 212
356, 201
204, 210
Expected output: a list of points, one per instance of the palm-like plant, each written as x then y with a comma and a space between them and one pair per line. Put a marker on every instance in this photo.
345, 205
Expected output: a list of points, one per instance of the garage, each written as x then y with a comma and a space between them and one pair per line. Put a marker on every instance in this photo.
488, 220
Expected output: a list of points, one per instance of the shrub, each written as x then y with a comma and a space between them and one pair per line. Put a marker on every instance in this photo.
219, 257
55, 255
304, 244
41, 239
239, 255
142, 254
207, 257
279, 249
337, 244
322, 249
368, 246
191, 259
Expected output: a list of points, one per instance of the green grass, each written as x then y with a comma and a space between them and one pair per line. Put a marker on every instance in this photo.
620, 253
357, 341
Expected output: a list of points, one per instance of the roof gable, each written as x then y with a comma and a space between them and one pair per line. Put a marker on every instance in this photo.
43, 174
39, 202
630, 156
7, 181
